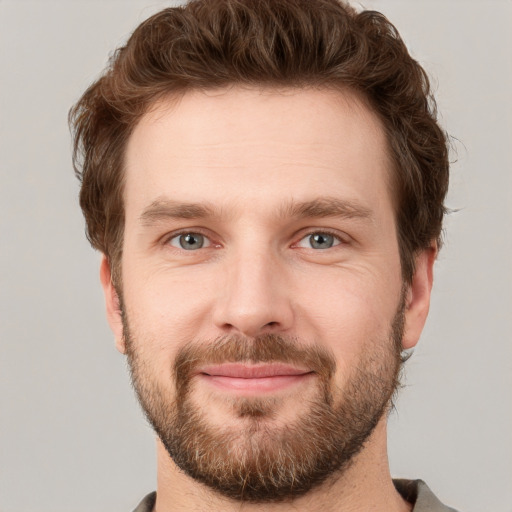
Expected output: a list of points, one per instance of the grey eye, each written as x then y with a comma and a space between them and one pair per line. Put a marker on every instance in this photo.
189, 241
321, 240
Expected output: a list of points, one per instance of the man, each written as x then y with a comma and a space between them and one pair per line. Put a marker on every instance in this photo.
265, 181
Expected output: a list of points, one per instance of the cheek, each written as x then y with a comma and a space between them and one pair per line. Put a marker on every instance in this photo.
166, 310
349, 315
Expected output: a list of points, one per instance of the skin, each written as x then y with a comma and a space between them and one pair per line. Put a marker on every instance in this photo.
248, 154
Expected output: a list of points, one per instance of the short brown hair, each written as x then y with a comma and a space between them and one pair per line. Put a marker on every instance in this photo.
292, 43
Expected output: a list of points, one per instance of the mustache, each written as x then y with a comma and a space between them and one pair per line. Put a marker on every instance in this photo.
267, 348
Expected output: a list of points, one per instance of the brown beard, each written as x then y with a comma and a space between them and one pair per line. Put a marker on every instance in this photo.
264, 461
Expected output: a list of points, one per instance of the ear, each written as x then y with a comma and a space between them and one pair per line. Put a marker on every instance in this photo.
112, 304
417, 301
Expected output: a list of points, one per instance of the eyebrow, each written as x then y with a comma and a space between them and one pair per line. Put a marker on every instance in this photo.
326, 207
163, 209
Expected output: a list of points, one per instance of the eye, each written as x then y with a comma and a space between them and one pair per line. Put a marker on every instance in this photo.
189, 241
319, 241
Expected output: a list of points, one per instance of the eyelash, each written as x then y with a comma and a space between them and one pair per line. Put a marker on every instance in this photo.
339, 239
328, 232
193, 231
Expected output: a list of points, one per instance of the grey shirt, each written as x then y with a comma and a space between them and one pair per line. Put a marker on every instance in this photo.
413, 491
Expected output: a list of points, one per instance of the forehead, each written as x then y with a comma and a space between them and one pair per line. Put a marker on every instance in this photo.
253, 144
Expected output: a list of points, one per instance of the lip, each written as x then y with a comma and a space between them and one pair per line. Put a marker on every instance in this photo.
252, 371
253, 379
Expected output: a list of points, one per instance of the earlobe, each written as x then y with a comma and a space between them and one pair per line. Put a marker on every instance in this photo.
112, 304
417, 299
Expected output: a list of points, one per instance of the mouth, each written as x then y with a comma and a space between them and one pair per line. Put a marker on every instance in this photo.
253, 379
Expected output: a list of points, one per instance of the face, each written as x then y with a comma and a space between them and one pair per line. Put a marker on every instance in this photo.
263, 305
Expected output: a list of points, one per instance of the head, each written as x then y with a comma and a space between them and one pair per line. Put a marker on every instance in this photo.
210, 45
266, 183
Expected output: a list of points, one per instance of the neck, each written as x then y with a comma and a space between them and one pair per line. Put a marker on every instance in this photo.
365, 486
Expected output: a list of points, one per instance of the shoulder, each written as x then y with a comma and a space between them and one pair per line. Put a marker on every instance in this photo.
147, 504
419, 494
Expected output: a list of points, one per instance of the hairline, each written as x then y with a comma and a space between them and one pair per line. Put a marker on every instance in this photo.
170, 99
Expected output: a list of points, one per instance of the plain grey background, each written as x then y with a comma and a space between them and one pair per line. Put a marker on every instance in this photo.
72, 438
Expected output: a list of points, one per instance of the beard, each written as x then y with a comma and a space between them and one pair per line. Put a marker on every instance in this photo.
258, 458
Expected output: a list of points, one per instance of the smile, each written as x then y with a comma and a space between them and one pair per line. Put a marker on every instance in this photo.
253, 379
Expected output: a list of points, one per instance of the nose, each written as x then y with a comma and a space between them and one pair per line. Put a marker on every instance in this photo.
254, 298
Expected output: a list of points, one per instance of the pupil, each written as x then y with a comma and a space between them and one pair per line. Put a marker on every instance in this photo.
191, 241
321, 241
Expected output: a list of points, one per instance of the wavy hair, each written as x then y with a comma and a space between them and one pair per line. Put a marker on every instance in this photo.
207, 44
